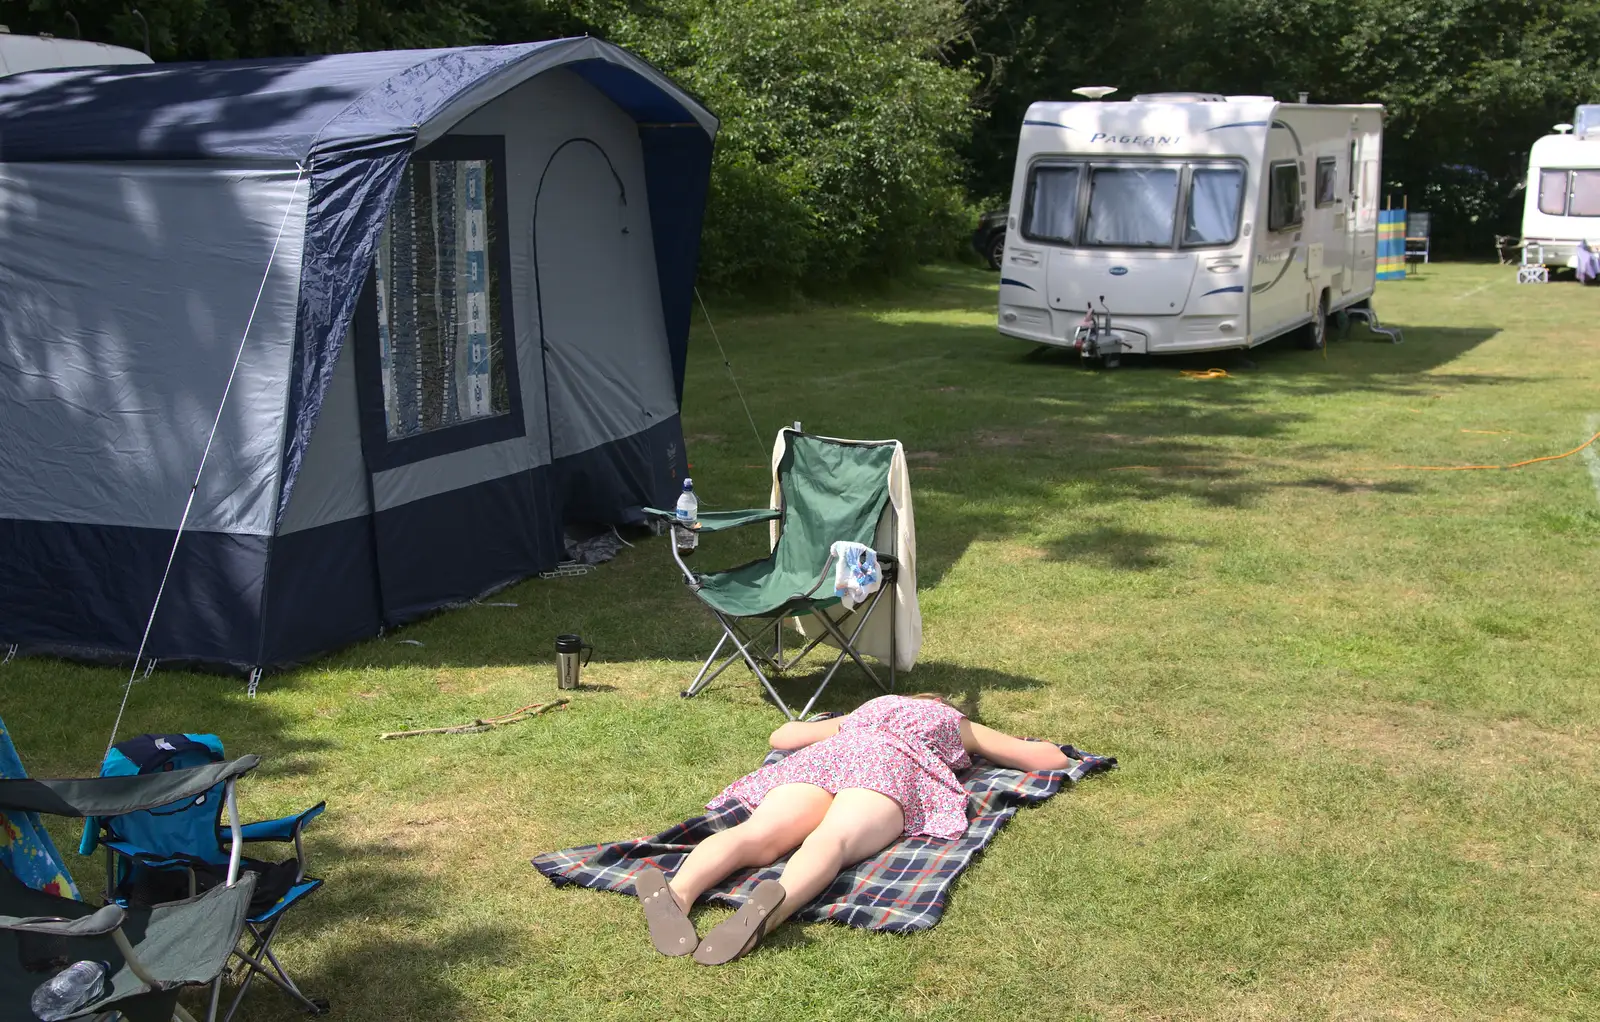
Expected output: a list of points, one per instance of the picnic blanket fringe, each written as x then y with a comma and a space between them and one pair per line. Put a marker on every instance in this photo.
902, 889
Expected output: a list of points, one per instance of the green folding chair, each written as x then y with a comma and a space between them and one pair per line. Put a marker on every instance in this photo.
828, 491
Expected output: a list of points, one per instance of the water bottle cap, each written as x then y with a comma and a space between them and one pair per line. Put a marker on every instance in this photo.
688, 484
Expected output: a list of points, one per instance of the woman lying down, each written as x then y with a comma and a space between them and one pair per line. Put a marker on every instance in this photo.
856, 785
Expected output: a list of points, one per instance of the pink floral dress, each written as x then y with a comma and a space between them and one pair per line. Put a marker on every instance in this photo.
907, 749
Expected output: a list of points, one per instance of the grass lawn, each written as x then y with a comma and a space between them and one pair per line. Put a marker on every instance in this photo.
1356, 706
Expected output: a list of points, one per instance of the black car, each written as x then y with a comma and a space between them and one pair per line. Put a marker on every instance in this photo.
990, 237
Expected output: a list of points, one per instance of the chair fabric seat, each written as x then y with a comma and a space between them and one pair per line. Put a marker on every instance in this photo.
181, 943
760, 590
831, 493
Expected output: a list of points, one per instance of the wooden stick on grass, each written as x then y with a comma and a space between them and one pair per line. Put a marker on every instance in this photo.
483, 723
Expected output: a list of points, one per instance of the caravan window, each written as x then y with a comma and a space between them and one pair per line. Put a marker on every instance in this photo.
1051, 213
1283, 197
1585, 193
441, 326
1553, 192
1327, 180
1215, 194
1132, 206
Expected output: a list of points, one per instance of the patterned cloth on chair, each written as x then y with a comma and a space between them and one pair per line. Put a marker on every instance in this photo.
25, 847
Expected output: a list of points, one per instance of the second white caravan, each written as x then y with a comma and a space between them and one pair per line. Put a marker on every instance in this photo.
1190, 222
1562, 207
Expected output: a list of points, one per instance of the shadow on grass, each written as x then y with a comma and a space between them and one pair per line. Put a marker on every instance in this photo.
990, 435
397, 968
1110, 546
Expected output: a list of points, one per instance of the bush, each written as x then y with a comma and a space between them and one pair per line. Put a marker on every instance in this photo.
841, 124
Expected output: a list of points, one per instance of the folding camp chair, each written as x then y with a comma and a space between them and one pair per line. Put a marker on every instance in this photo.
1419, 235
827, 491
150, 954
174, 850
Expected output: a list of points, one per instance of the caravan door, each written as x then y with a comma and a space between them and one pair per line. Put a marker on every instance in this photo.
1347, 204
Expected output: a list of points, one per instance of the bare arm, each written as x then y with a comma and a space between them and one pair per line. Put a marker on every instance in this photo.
797, 735
1017, 753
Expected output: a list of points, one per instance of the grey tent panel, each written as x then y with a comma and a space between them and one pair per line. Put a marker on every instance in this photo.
474, 466
582, 248
127, 291
333, 477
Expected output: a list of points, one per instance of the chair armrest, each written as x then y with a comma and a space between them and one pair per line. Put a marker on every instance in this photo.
99, 924
285, 828
717, 521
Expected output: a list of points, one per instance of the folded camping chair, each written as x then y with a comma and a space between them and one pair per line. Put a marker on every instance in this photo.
179, 848
1419, 233
151, 954
827, 491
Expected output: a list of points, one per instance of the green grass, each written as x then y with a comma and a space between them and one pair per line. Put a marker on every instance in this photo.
1355, 706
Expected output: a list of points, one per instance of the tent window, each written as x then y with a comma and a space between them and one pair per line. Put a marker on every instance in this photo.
1283, 197
1327, 178
440, 329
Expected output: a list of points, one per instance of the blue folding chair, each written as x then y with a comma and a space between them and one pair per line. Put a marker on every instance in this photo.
179, 850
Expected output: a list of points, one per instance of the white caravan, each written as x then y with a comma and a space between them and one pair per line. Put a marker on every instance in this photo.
1190, 222
19, 53
1562, 207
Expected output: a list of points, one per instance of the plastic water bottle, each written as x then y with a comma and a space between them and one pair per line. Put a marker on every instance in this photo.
688, 514
78, 985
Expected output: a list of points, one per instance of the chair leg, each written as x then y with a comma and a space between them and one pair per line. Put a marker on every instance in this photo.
849, 645
894, 631
271, 970
700, 680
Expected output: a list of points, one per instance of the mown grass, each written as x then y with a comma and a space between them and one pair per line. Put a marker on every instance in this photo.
1355, 705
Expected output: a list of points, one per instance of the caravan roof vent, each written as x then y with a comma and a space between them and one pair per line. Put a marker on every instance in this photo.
1179, 97
1587, 121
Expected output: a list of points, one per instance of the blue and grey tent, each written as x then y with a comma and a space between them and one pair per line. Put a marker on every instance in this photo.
414, 311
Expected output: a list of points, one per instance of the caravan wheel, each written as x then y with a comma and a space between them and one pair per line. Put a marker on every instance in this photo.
1315, 334
997, 250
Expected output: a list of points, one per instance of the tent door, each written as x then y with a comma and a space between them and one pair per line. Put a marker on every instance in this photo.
607, 372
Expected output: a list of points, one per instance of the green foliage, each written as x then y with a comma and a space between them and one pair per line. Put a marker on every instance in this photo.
841, 124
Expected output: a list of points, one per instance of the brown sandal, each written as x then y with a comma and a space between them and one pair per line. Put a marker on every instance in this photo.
670, 930
738, 935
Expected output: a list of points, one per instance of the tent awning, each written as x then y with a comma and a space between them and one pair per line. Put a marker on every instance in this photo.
301, 108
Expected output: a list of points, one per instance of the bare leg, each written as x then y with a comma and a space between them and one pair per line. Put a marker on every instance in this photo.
778, 825
859, 823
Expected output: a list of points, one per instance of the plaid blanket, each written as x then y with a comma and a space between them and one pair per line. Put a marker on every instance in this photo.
902, 889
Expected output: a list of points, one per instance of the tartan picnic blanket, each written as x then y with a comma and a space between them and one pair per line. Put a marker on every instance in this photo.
902, 889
